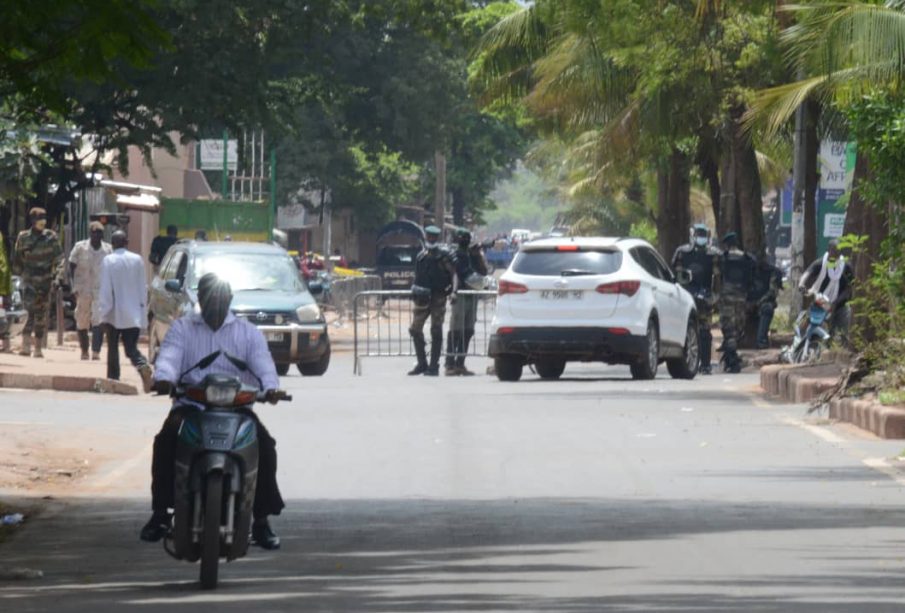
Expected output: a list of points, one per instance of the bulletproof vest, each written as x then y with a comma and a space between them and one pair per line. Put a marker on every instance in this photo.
760, 285
430, 270
700, 263
738, 272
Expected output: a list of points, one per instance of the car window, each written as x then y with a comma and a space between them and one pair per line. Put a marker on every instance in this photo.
250, 271
641, 256
664, 272
175, 262
398, 255
557, 263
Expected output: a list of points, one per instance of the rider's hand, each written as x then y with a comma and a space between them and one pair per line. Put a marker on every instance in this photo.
162, 388
802, 289
272, 396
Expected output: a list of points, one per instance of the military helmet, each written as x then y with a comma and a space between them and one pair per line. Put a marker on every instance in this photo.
432, 231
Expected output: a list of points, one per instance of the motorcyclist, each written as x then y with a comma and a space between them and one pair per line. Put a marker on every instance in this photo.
188, 340
765, 289
703, 262
832, 276
435, 279
471, 267
737, 270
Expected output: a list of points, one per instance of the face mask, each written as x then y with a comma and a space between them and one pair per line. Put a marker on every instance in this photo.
40, 224
700, 241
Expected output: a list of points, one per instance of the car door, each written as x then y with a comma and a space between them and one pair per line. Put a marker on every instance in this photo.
676, 304
171, 303
664, 292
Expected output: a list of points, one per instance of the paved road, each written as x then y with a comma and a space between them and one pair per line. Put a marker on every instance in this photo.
595, 493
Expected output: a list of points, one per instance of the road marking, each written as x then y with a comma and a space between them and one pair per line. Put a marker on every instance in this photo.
882, 465
818, 431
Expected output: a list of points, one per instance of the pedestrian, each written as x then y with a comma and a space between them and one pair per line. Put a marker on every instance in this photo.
85, 270
201, 235
470, 271
161, 244
36, 256
702, 260
833, 277
435, 279
765, 288
122, 306
737, 275
6, 293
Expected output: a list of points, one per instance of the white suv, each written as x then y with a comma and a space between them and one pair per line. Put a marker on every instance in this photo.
592, 299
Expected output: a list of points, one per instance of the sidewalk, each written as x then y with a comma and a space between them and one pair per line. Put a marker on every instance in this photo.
62, 370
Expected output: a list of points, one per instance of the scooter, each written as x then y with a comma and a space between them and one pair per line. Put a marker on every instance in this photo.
216, 467
808, 345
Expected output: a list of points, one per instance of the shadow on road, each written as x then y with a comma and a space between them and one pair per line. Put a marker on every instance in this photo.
420, 555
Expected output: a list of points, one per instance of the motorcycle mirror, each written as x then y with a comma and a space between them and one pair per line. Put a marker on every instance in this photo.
240, 364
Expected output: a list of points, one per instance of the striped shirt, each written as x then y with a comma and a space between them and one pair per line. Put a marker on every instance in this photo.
189, 340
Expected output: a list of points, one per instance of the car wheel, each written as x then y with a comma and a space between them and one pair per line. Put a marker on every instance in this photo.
646, 366
550, 368
508, 367
282, 369
316, 368
687, 366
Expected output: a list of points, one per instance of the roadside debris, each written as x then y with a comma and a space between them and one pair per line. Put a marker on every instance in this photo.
12, 519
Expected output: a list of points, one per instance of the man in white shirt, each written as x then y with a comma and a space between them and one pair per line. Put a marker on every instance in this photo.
122, 306
85, 269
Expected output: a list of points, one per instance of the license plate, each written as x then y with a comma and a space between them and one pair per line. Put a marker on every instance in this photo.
274, 337
561, 294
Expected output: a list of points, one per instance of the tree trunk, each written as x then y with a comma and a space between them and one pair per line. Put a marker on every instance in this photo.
811, 182
674, 218
750, 199
728, 217
458, 206
872, 222
710, 172
440, 189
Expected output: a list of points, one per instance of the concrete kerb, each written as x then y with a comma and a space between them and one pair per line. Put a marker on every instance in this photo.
801, 384
61, 383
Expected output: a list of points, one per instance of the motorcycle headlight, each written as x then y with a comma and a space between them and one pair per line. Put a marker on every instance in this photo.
220, 394
309, 312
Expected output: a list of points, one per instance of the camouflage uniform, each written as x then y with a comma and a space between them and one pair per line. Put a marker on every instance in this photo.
434, 272
37, 255
704, 265
6, 290
737, 277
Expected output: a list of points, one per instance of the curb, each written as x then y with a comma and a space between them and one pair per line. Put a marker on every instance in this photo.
801, 384
60, 383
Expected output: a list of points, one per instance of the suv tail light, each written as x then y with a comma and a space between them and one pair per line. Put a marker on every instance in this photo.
508, 287
627, 288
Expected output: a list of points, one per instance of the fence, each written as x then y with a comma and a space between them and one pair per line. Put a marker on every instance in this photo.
382, 320
341, 293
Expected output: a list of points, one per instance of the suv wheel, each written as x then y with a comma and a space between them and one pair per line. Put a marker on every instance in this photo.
550, 368
316, 368
646, 366
687, 366
508, 367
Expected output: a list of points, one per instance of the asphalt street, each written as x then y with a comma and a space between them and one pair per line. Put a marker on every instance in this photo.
593, 493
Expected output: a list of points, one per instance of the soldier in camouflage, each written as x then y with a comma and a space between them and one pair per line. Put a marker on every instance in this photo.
737, 268
6, 292
36, 257
703, 262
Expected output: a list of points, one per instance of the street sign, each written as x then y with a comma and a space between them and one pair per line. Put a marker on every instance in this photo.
833, 225
212, 154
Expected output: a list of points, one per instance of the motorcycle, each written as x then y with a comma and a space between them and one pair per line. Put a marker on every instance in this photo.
216, 467
808, 344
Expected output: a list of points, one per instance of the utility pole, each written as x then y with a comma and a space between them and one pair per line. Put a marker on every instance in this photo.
223, 185
440, 190
327, 209
799, 180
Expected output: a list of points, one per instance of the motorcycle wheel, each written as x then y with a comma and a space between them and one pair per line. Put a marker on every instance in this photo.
210, 538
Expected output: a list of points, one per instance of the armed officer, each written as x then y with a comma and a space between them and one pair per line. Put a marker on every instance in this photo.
762, 298
471, 268
36, 256
435, 280
737, 269
703, 262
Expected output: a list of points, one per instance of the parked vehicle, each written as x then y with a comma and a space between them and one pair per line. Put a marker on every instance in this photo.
810, 339
16, 315
398, 244
216, 467
592, 299
268, 291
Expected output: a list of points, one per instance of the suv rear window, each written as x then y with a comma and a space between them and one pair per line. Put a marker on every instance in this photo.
557, 263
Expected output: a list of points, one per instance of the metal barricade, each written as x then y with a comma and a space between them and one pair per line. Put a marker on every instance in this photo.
343, 290
382, 320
